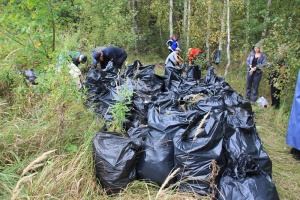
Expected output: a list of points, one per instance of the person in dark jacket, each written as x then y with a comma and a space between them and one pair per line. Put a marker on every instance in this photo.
256, 61
103, 55
172, 43
278, 75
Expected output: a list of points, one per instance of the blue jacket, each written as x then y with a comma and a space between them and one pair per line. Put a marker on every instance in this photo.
293, 130
261, 62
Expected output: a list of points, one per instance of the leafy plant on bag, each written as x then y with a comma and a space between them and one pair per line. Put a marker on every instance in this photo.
120, 109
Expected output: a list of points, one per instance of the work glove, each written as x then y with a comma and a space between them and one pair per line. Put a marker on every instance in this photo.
252, 69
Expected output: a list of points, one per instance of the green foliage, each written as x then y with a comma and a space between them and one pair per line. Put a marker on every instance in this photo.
121, 108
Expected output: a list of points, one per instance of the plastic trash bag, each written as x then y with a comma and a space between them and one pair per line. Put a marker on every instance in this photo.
158, 153
217, 57
165, 116
195, 155
115, 160
246, 181
262, 102
30, 76
258, 187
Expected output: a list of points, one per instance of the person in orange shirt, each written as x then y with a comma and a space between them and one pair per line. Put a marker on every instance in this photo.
193, 53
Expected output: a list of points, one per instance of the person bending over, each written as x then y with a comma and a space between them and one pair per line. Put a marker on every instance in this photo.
102, 55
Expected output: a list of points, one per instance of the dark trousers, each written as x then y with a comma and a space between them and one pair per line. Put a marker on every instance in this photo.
275, 92
252, 85
119, 62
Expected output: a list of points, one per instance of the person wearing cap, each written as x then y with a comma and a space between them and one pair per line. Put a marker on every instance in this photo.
77, 58
102, 56
193, 53
256, 61
172, 43
174, 59
72, 59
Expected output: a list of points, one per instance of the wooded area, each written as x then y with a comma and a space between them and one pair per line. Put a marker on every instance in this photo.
44, 28
53, 115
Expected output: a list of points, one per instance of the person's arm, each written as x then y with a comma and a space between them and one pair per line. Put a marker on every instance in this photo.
179, 60
249, 60
95, 62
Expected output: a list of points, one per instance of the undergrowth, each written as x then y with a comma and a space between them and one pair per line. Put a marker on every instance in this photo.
52, 116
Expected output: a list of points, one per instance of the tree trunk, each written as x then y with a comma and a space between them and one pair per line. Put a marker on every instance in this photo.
228, 39
247, 31
208, 30
171, 17
50, 7
267, 19
133, 7
188, 24
222, 26
184, 24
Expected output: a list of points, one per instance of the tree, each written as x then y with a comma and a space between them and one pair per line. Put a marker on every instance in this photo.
222, 26
188, 24
228, 38
171, 17
266, 18
208, 29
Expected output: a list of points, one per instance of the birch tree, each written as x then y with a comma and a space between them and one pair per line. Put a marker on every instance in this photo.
184, 24
208, 29
133, 7
171, 17
228, 38
222, 26
188, 24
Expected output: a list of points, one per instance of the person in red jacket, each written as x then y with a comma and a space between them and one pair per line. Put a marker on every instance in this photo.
193, 53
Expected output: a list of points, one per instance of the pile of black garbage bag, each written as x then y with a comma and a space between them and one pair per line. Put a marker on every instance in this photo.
199, 125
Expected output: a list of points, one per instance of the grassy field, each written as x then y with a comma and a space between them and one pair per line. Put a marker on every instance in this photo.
53, 117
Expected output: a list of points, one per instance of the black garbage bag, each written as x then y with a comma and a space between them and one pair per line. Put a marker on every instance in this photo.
147, 82
246, 181
242, 138
30, 76
158, 152
115, 160
211, 77
217, 57
196, 155
157, 159
193, 73
257, 187
173, 78
132, 69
